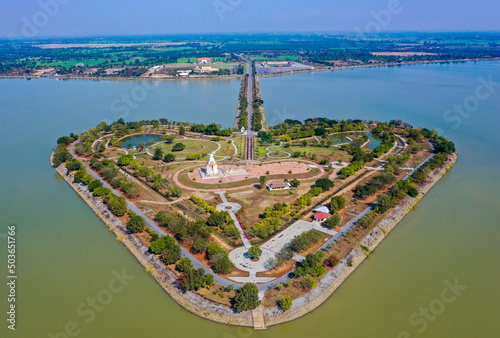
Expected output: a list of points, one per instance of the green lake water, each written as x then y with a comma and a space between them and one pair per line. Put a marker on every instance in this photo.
66, 256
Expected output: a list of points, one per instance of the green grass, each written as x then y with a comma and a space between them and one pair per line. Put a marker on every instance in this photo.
69, 63
187, 60
226, 149
192, 147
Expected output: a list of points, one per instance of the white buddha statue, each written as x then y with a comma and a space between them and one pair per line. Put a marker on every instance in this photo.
212, 166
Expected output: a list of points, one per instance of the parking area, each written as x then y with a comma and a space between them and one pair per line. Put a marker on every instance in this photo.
283, 238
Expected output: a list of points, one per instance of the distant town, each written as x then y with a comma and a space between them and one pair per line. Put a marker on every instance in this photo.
210, 57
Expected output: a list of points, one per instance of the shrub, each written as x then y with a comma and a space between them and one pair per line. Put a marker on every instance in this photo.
174, 191
178, 147
305, 240
193, 157
169, 158
285, 303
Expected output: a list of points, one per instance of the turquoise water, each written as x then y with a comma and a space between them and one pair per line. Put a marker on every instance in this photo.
146, 139
375, 141
66, 255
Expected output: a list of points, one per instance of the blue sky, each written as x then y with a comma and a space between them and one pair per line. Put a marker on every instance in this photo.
125, 17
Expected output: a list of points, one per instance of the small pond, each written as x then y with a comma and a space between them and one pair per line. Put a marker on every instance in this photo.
376, 141
137, 141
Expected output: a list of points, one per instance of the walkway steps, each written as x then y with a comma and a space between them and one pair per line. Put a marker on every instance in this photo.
259, 321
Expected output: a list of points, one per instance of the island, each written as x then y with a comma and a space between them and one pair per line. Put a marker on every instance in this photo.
252, 228
255, 225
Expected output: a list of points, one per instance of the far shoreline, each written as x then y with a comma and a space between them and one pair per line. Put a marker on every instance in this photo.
239, 77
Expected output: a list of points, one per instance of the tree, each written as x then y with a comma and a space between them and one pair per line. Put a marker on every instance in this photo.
64, 140
174, 191
169, 139
332, 222
384, 203
295, 183
254, 251
285, 303
73, 165
195, 279
158, 154
312, 265
117, 182
178, 147
215, 251
200, 244
262, 181
337, 203
324, 183
109, 172
169, 158
61, 155
182, 130
246, 298
169, 250
184, 265
223, 265
125, 160
117, 205
216, 219
136, 224
101, 191
131, 189
94, 184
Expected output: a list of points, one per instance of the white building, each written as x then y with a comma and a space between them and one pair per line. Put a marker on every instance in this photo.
278, 185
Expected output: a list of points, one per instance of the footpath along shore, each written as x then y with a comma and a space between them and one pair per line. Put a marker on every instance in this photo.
272, 316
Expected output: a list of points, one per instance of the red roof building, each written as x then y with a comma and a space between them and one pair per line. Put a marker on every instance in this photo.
321, 216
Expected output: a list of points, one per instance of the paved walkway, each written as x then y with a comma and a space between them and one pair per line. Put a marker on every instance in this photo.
232, 209
177, 182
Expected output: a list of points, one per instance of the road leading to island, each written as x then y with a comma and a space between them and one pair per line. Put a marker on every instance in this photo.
249, 135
